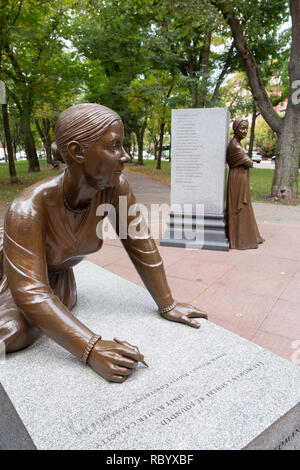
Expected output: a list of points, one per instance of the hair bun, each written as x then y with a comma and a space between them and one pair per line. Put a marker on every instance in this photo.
56, 153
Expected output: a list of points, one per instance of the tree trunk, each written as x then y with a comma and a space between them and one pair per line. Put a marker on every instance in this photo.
14, 145
16, 137
155, 146
252, 134
285, 182
194, 94
11, 162
44, 134
30, 149
140, 143
161, 138
48, 140
140, 132
127, 140
205, 69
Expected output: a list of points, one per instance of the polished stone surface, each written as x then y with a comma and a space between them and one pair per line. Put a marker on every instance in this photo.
204, 389
199, 141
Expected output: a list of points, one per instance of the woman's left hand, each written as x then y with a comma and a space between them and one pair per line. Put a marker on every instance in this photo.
184, 313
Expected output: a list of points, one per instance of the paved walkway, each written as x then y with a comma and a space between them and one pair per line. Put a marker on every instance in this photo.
254, 293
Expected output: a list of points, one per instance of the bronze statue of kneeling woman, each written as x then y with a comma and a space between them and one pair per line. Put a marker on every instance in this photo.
242, 229
51, 226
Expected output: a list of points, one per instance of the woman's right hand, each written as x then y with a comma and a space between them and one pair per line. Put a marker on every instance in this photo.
114, 361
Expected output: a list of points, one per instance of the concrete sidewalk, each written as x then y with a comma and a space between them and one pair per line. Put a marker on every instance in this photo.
254, 293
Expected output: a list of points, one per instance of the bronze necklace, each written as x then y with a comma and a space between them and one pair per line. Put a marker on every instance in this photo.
75, 211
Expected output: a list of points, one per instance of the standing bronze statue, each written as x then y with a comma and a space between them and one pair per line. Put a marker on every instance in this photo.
243, 233
51, 227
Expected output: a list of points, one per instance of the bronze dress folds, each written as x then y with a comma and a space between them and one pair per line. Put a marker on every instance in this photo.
242, 228
37, 251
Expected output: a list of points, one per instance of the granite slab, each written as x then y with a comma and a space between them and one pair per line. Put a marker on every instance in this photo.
204, 389
198, 180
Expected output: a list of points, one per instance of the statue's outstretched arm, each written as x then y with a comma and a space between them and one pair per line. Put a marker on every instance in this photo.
26, 270
146, 258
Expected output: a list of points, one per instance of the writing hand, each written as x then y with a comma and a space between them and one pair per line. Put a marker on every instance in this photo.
114, 361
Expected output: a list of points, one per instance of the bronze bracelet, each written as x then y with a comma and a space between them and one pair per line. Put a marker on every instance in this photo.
89, 347
167, 309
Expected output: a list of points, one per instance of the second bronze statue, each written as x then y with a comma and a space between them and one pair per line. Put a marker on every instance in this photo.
243, 233
51, 227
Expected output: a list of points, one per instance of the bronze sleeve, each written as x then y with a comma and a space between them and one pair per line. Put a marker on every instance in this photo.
26, 269
140, 246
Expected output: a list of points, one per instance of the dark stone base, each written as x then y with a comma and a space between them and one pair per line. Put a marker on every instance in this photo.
189, 232
13, 434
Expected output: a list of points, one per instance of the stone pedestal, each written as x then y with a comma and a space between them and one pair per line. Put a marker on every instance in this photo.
204, 389
199, 142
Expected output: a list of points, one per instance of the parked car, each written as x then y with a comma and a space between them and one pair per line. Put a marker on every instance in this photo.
21, 155
145, 155
148, 155
256, 157
41, 153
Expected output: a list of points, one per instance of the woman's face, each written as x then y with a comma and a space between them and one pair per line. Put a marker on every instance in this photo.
105, 159
242, 130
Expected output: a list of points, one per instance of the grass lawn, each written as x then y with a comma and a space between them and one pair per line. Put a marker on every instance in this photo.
9, 191
149, 169
260, 179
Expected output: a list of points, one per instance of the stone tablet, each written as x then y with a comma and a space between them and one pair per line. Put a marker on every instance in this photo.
204, 389
199, 142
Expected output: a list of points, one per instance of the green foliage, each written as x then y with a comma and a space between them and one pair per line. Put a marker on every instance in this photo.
42, 77
186, 36
265, 138
9, 191
236, 95
116, 52
139, 57
260, 179
262, 24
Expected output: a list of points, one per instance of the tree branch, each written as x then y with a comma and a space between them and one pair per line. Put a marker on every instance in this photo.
255, 80
15, 98
41, 134
222, 74
17, 15
9, 74
14, 63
